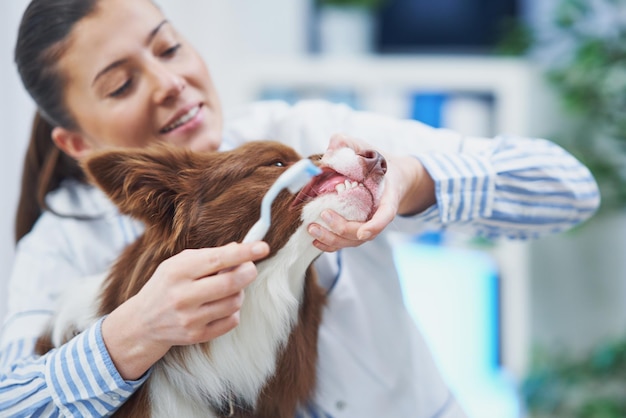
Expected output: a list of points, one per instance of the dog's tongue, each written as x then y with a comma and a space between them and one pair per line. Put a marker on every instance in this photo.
321, 184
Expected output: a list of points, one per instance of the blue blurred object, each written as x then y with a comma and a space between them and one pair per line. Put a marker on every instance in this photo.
285, 94
346, 96
430, 237
343, 95
453, 296
427, 107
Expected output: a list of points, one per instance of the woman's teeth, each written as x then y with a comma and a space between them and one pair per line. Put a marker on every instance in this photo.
182, 120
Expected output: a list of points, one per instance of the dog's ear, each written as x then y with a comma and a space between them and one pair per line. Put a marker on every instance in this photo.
143, 183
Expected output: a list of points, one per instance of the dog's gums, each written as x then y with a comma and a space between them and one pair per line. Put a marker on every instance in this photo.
266, 366
330, 181
356, 182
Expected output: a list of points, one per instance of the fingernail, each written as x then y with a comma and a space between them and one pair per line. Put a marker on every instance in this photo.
315, 231
327, 217
259, 248
363, 235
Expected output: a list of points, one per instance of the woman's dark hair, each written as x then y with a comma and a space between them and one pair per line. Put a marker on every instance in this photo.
42, 37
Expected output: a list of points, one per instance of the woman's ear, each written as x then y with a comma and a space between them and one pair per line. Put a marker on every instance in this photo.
72, 143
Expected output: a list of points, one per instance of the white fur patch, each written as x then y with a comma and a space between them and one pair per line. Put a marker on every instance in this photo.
77, 309
244, 358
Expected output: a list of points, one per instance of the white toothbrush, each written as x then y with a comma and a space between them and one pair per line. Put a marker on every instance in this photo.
294, 179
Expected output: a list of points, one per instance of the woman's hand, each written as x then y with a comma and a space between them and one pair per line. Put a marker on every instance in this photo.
408, 190
192, 297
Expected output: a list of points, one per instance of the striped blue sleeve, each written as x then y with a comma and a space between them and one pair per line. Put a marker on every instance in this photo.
517, 188
311, 410
77, 379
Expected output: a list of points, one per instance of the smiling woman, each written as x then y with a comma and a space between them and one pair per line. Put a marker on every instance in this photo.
144, 75
116, 73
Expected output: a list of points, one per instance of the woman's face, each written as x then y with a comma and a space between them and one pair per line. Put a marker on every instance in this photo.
131, 79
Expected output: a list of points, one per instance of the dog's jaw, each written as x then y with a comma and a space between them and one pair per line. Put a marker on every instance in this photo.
350, 184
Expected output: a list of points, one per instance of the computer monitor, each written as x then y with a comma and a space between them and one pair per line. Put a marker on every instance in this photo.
444, 26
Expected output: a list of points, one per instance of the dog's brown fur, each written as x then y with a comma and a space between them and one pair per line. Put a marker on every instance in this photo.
197, 200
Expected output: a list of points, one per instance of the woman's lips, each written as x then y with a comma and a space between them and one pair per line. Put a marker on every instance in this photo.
190, 117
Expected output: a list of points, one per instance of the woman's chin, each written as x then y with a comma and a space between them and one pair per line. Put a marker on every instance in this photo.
206, 143
203, 140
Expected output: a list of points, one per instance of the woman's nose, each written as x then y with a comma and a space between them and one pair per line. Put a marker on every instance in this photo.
167, 84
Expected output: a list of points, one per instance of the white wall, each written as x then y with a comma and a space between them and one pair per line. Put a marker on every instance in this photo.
234, 33
16, 113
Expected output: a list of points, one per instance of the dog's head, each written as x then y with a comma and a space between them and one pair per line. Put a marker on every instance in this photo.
205, 199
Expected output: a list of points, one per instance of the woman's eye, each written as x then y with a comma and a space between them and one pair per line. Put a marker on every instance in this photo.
122, 89
170, 52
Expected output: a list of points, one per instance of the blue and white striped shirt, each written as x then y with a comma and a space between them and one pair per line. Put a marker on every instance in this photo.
515, 188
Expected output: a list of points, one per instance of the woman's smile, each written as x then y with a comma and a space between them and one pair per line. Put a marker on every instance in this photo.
138, 84
185, 120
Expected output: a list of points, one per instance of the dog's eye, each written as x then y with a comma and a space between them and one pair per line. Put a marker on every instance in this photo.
278, 164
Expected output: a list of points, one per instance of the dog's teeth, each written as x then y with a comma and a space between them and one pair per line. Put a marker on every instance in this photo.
347, 185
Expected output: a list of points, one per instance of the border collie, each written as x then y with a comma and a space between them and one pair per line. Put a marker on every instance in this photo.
266, 366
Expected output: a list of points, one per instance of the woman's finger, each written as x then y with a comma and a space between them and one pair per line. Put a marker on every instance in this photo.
379, 221
220, 327
340, 226
328, 241
222, 285
196, 263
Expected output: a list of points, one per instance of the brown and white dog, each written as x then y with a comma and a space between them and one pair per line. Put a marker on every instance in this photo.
266, 366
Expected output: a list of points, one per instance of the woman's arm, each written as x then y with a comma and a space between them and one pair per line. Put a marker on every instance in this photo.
77, 379
510, 187
494, 187
518, 189
98, 370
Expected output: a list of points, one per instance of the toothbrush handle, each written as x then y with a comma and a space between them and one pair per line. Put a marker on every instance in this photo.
257, 232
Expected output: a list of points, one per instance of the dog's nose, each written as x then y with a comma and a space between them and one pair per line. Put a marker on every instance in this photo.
374, 162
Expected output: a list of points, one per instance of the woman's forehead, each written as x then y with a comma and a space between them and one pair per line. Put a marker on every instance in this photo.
116, 29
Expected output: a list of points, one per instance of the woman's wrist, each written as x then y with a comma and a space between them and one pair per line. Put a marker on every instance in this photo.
419, 192
129, 346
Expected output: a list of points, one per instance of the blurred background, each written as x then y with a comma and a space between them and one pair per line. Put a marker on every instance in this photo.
532, 329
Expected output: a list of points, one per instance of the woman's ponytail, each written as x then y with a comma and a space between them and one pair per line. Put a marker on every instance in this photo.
42, 36
45, 166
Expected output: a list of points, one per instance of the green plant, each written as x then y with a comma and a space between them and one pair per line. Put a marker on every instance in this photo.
365, 4
586, 65
514, 37
589, 75
592, 386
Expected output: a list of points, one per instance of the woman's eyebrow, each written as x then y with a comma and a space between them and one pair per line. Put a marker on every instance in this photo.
154, 31
117, 63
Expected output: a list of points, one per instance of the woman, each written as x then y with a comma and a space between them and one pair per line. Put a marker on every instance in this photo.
116, 73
